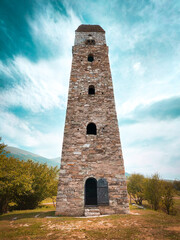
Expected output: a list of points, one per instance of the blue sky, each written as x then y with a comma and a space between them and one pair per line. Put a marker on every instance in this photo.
143, 36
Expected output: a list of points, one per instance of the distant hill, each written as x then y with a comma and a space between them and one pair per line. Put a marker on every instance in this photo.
127, 174
25, 155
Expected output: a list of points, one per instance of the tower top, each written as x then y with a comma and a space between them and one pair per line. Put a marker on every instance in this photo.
87, 34
89, 28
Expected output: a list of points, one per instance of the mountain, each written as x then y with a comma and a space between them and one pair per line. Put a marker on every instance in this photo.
25, 155
127, 174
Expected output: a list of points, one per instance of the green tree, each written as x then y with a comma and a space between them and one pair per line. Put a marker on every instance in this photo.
25, 183
53, 183
135, 187
176, 185
43, 185
2, 146
167, 196
14, 180
153, 191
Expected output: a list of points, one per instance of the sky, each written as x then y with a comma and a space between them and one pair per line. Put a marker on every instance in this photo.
36, 39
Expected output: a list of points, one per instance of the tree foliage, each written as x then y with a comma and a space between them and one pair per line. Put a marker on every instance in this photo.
176, 185
153, 191
2, 146
44, 179
159, 193
167, 196
135, 187
14, 179
25, 183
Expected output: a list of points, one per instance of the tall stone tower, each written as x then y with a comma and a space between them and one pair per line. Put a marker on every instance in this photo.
92, 177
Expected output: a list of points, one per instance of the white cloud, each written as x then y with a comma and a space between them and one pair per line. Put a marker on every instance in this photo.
54, 30
40, 85
17, 132
138, 68
150, 147
44, 84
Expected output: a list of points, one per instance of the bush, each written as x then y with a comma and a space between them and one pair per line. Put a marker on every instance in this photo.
167, 196
25, 184
135, 187
153, 191
43, 181
176, 186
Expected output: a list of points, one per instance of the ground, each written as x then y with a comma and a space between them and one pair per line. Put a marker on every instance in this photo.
41, 223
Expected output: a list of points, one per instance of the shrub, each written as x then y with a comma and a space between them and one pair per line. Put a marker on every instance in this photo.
153, 191
167, 196
135, 187
25, 184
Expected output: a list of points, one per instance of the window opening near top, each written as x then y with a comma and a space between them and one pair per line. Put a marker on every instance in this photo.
90, 58
91, 90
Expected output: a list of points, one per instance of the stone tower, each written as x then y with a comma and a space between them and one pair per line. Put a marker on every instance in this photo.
92, 172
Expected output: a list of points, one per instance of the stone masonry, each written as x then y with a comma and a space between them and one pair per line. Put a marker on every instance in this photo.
85, 155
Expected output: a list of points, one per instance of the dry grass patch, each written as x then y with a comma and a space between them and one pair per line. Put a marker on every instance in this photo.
141, 224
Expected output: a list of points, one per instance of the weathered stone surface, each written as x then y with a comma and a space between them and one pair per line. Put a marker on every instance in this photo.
85, 156
91, 212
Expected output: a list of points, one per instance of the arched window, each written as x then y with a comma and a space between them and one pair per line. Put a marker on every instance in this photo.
90, 58
91, 129
91, 90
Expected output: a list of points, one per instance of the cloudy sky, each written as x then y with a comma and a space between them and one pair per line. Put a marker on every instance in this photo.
143, 36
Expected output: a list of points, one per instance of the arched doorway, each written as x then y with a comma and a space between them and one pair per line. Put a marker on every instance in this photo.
91, 191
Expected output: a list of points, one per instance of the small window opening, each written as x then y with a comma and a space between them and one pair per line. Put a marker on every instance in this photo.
90, 58
91, 90
91, 129
90, 42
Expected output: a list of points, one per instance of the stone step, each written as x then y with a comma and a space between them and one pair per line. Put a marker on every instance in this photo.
91, 212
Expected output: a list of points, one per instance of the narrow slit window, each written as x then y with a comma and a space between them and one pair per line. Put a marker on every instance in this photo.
91, 90
91, 129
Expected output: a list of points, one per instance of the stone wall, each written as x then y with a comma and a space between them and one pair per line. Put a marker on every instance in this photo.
99, 38
83, 155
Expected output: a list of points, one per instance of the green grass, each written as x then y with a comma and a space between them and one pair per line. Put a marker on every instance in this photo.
48, 200
20, 214
34, 224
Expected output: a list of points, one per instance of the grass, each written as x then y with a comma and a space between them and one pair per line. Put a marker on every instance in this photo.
48, 200
141, 224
